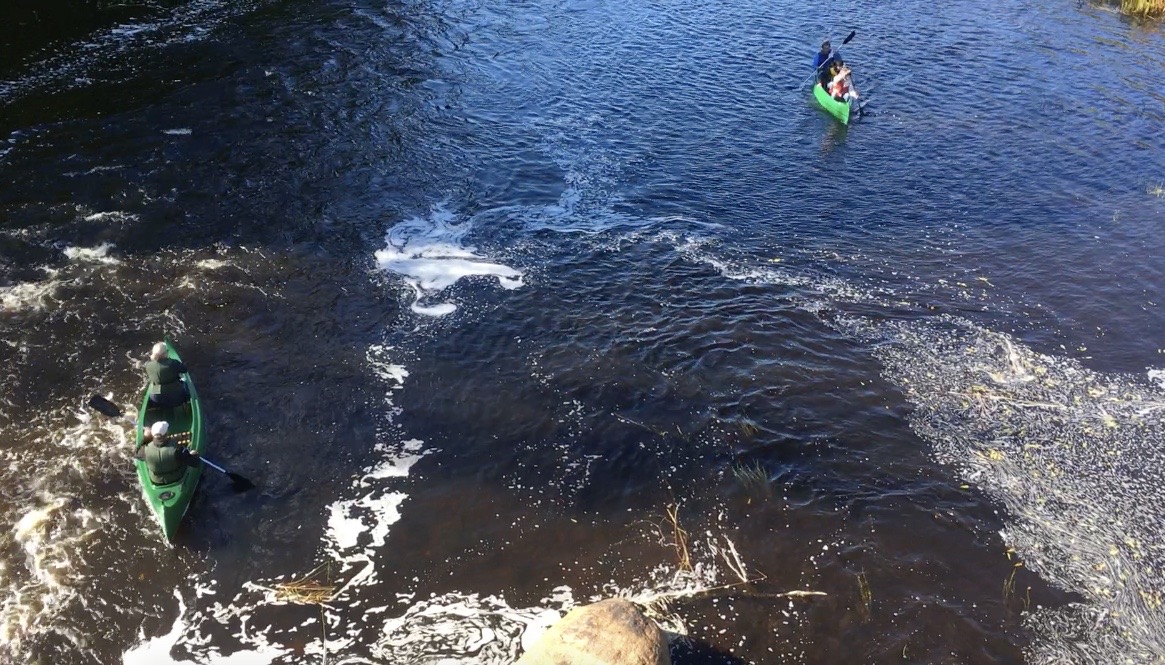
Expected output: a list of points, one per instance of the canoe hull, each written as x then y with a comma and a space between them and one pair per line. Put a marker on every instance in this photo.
169, 502
839, 110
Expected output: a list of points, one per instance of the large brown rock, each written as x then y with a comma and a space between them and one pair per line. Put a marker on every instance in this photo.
609, 632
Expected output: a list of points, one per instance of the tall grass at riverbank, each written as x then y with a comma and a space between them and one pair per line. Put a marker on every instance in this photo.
1143, 8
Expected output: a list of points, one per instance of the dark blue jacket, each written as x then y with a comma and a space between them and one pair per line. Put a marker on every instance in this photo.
821, 67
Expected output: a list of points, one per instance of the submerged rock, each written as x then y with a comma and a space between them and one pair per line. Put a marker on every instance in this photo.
609, 632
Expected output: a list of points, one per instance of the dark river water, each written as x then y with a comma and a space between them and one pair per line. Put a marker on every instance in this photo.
479, 293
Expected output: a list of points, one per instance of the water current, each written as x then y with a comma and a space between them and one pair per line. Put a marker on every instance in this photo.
480, 293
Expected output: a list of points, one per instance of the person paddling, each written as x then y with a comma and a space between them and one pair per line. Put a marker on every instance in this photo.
821, 63
165, 375
165, 460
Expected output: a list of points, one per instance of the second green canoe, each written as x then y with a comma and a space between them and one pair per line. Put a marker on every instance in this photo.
839, 110
169, 502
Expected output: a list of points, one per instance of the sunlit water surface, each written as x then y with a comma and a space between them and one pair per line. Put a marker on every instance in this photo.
479, 292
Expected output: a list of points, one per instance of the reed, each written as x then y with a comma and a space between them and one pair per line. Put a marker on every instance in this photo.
315, 588
754, 478
312, 588
679, 539
1143, 8
1009, 588
866, 595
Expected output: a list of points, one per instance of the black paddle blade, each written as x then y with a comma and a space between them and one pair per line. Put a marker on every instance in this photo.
239, 483
848, 37
102, 405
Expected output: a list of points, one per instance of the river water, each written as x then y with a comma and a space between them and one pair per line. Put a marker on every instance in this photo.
478, 292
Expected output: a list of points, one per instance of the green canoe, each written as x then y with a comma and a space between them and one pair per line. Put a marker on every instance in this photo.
839, 110
169, 502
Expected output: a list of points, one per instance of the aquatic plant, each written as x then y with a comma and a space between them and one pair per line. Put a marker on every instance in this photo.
1143, 8
679, 539
866, 595
754, 478
311, 589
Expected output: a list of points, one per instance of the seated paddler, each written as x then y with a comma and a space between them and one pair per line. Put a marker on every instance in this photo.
821, 63
165, 375
166, 460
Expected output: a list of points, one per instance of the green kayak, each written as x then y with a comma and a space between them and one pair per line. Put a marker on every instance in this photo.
169, 502
839, 110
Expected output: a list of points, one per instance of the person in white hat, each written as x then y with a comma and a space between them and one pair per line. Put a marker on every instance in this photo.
165, 376
165, 460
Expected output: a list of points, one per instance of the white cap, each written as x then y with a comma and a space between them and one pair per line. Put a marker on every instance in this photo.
160, 428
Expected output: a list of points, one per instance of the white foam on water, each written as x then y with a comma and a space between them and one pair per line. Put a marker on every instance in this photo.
815, 291
1157, 376
395, 467
211, 264
51, 530
158, 650
370, 514
98, 254
358, 527
39, 296
593, 183
182, 131
111, 216
47, 559
593, 179
456, 628
27, 296
434, 310
429, 254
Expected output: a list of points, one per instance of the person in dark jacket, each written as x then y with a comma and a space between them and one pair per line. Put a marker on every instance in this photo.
165, 375
822, 62
165, 460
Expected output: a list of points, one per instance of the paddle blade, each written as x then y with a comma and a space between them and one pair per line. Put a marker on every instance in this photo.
102, 405
848, 37
239, 483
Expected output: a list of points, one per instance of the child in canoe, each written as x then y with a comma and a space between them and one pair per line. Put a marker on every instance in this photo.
841, 86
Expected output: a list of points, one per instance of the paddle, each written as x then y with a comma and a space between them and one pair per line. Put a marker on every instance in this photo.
843, 43
238, 483
101, 405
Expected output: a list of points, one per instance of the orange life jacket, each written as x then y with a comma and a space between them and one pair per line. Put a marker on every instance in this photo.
839, 88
